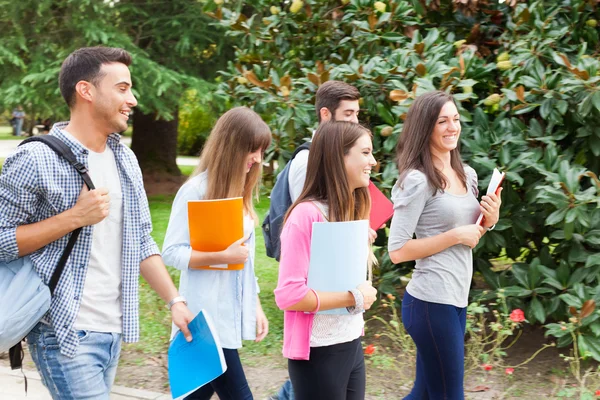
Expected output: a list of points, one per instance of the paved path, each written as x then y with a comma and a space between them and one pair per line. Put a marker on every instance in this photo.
8, 146
12, 388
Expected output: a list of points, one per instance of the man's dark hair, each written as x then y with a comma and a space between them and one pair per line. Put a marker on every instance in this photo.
331, 93
84, 65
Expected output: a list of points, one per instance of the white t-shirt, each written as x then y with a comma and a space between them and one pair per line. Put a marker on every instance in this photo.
100, 308
297, 174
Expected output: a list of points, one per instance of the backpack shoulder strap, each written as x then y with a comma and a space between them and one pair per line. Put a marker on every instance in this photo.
65, 152
62, 150
303, 146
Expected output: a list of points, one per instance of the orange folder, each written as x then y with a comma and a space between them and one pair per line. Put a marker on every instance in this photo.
215, 225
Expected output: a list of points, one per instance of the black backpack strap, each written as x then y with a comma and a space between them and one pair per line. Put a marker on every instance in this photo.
65, 152
303, 146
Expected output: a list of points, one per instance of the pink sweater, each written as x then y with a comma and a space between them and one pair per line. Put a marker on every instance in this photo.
293, 273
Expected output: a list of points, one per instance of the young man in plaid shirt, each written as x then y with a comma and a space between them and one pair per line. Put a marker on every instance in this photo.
76, 346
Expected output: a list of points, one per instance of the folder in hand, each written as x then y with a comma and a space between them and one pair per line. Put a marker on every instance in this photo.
382, 209
339, 253
215, 225
493, 186
195, 364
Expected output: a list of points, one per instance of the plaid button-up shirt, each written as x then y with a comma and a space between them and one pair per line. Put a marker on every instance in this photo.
36, 184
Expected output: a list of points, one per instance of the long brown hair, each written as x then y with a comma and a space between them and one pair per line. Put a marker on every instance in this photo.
326, 178
413, 149
237, 133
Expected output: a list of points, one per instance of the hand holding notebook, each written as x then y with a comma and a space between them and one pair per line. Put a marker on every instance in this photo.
493, 188
196, 363
215, 225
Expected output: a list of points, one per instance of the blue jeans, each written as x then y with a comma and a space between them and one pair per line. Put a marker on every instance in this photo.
232, 385
286, 392
438, 330
18, 127
88, 375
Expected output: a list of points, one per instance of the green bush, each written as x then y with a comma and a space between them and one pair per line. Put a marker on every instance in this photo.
525, 76
198, 111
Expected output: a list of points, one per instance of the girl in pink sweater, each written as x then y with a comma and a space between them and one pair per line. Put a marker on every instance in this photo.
324, 351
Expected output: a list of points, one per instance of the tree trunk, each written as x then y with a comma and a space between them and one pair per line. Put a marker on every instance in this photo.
154, 142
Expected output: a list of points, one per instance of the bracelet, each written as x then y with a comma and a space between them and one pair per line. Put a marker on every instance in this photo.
316, 310
178, 299
491, 228
359, 302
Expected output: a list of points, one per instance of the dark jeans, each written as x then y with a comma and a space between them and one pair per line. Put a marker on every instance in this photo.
438, 330
232, 385
335, 372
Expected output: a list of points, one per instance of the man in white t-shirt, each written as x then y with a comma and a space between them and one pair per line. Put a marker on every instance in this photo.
337, 101
76, 346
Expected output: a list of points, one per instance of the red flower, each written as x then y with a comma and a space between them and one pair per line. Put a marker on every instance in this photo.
370, 349
487, 367
597, 393
509, 371
517, 316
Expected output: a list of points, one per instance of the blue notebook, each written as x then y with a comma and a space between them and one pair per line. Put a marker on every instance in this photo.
193, 365
339, 252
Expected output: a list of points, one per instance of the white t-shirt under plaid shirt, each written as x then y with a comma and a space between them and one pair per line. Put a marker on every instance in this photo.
35, 184
100, 308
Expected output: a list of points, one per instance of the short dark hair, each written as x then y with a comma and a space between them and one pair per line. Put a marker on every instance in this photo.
331, 93
84, 65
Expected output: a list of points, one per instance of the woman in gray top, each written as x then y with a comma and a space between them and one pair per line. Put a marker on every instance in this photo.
435, 199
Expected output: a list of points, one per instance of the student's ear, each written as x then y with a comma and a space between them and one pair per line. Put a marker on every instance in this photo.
325, 114
84, 90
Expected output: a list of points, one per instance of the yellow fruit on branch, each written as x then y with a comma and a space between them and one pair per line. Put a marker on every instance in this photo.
503, 57
387, 131
296, 6
380, 6
492, 99
504, 65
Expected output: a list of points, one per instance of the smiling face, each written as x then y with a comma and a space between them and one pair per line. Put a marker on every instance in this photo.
253, 158
359, 161
446, 132
113, 99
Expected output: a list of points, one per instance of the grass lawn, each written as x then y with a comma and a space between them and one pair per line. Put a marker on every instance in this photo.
155, 319
6, 133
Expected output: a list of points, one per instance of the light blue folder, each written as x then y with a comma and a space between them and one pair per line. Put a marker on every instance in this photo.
193, 365
339, 252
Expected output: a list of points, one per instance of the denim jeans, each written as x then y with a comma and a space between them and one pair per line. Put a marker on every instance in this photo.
232, 385
438, 330
88, 375
18, 127
286, 392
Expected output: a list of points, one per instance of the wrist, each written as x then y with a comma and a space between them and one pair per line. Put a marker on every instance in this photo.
176, 300
490, 228
223, 257
71, 219
359, 302
453, 237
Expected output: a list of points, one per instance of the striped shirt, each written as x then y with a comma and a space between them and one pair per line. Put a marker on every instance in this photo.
36, 184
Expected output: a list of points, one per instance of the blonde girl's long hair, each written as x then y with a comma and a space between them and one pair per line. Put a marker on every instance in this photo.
237, 133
